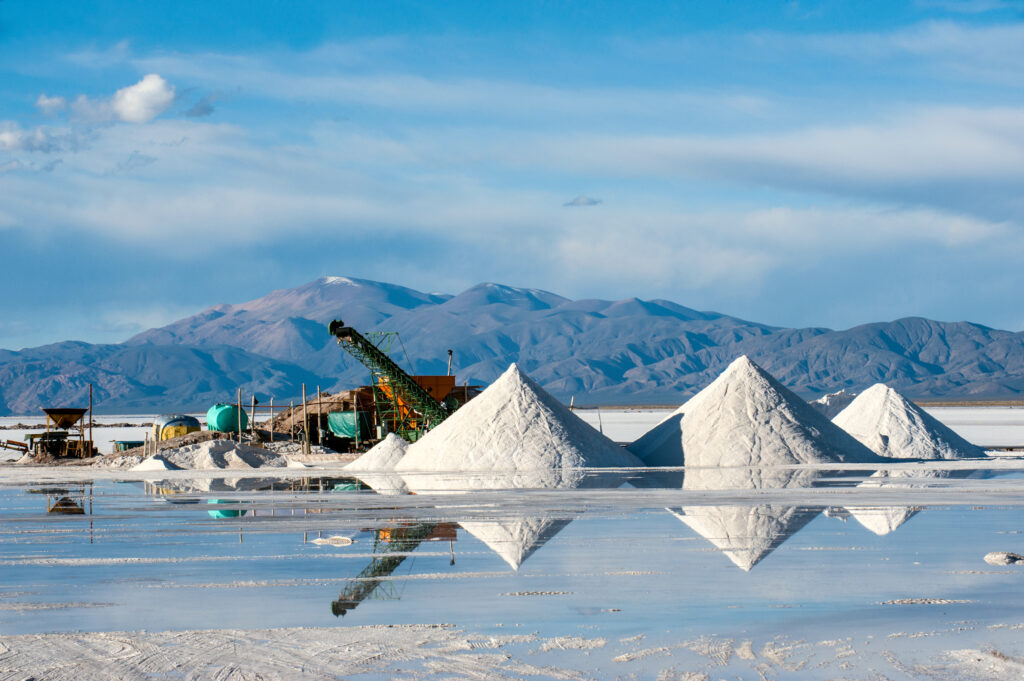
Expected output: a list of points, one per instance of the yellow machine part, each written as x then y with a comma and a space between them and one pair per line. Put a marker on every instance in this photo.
167, 432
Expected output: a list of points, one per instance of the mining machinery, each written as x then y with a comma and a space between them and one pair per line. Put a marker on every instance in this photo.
406, 405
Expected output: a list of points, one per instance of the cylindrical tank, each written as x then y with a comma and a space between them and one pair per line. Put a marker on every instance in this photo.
172, 425
224, 418
227, 512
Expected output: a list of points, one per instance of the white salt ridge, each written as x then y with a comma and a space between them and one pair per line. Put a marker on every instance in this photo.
831, 404
222, 454
376, 466
747, 418
514, 425
894, 427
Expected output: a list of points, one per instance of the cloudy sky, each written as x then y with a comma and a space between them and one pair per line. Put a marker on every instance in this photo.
802, 163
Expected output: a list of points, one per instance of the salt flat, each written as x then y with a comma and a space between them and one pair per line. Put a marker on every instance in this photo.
154, 579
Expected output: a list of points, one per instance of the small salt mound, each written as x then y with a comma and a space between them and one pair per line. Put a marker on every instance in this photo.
515, 540
376, 466
222, 454
894, 427
155, 463
382, 456
513, 425
747, 418
831, 404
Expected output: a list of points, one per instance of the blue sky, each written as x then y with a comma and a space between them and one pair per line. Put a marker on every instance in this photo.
801, 163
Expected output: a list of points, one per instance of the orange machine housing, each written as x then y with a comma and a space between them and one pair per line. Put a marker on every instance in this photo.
439, 388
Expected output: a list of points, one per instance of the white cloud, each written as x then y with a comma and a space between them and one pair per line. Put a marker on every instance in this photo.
138, 103
51, 105
144, 101
14, 138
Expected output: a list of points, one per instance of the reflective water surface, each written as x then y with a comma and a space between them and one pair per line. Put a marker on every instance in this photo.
737, 573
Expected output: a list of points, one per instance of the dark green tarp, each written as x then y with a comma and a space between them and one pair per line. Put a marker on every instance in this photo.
343, 424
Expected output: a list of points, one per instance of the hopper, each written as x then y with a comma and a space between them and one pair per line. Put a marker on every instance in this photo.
64, 418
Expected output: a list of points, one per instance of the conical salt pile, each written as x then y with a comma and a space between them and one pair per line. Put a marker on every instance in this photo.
376, 466
514, 426
747, 418
833, 403
894, 427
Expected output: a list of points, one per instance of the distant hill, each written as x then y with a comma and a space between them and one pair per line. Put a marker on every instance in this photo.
623, 352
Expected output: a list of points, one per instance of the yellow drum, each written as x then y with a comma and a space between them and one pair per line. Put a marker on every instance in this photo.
173, 425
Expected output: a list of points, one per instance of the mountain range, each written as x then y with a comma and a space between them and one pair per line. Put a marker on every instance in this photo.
602, 352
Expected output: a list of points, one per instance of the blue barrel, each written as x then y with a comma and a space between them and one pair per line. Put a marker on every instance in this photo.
224, 418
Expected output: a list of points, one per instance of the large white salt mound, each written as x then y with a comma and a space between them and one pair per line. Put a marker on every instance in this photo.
513, 425
747, 418
376, 466
894, 427
833, 403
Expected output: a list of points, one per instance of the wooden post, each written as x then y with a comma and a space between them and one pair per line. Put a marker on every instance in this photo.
252, 419
90, 419
355, 415
291, 421
319, 417
239, 405
271, 419
305, 422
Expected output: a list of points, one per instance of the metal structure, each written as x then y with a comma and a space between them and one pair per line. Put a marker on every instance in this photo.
15, 445
61, 442
403, 405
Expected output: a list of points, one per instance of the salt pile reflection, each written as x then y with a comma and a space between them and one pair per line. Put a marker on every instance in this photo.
747, 533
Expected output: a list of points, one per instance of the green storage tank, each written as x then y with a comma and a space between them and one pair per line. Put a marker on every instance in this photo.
225, 512
354, 425
224, 418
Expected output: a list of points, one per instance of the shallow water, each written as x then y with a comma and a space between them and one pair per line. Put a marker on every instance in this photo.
719, 578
